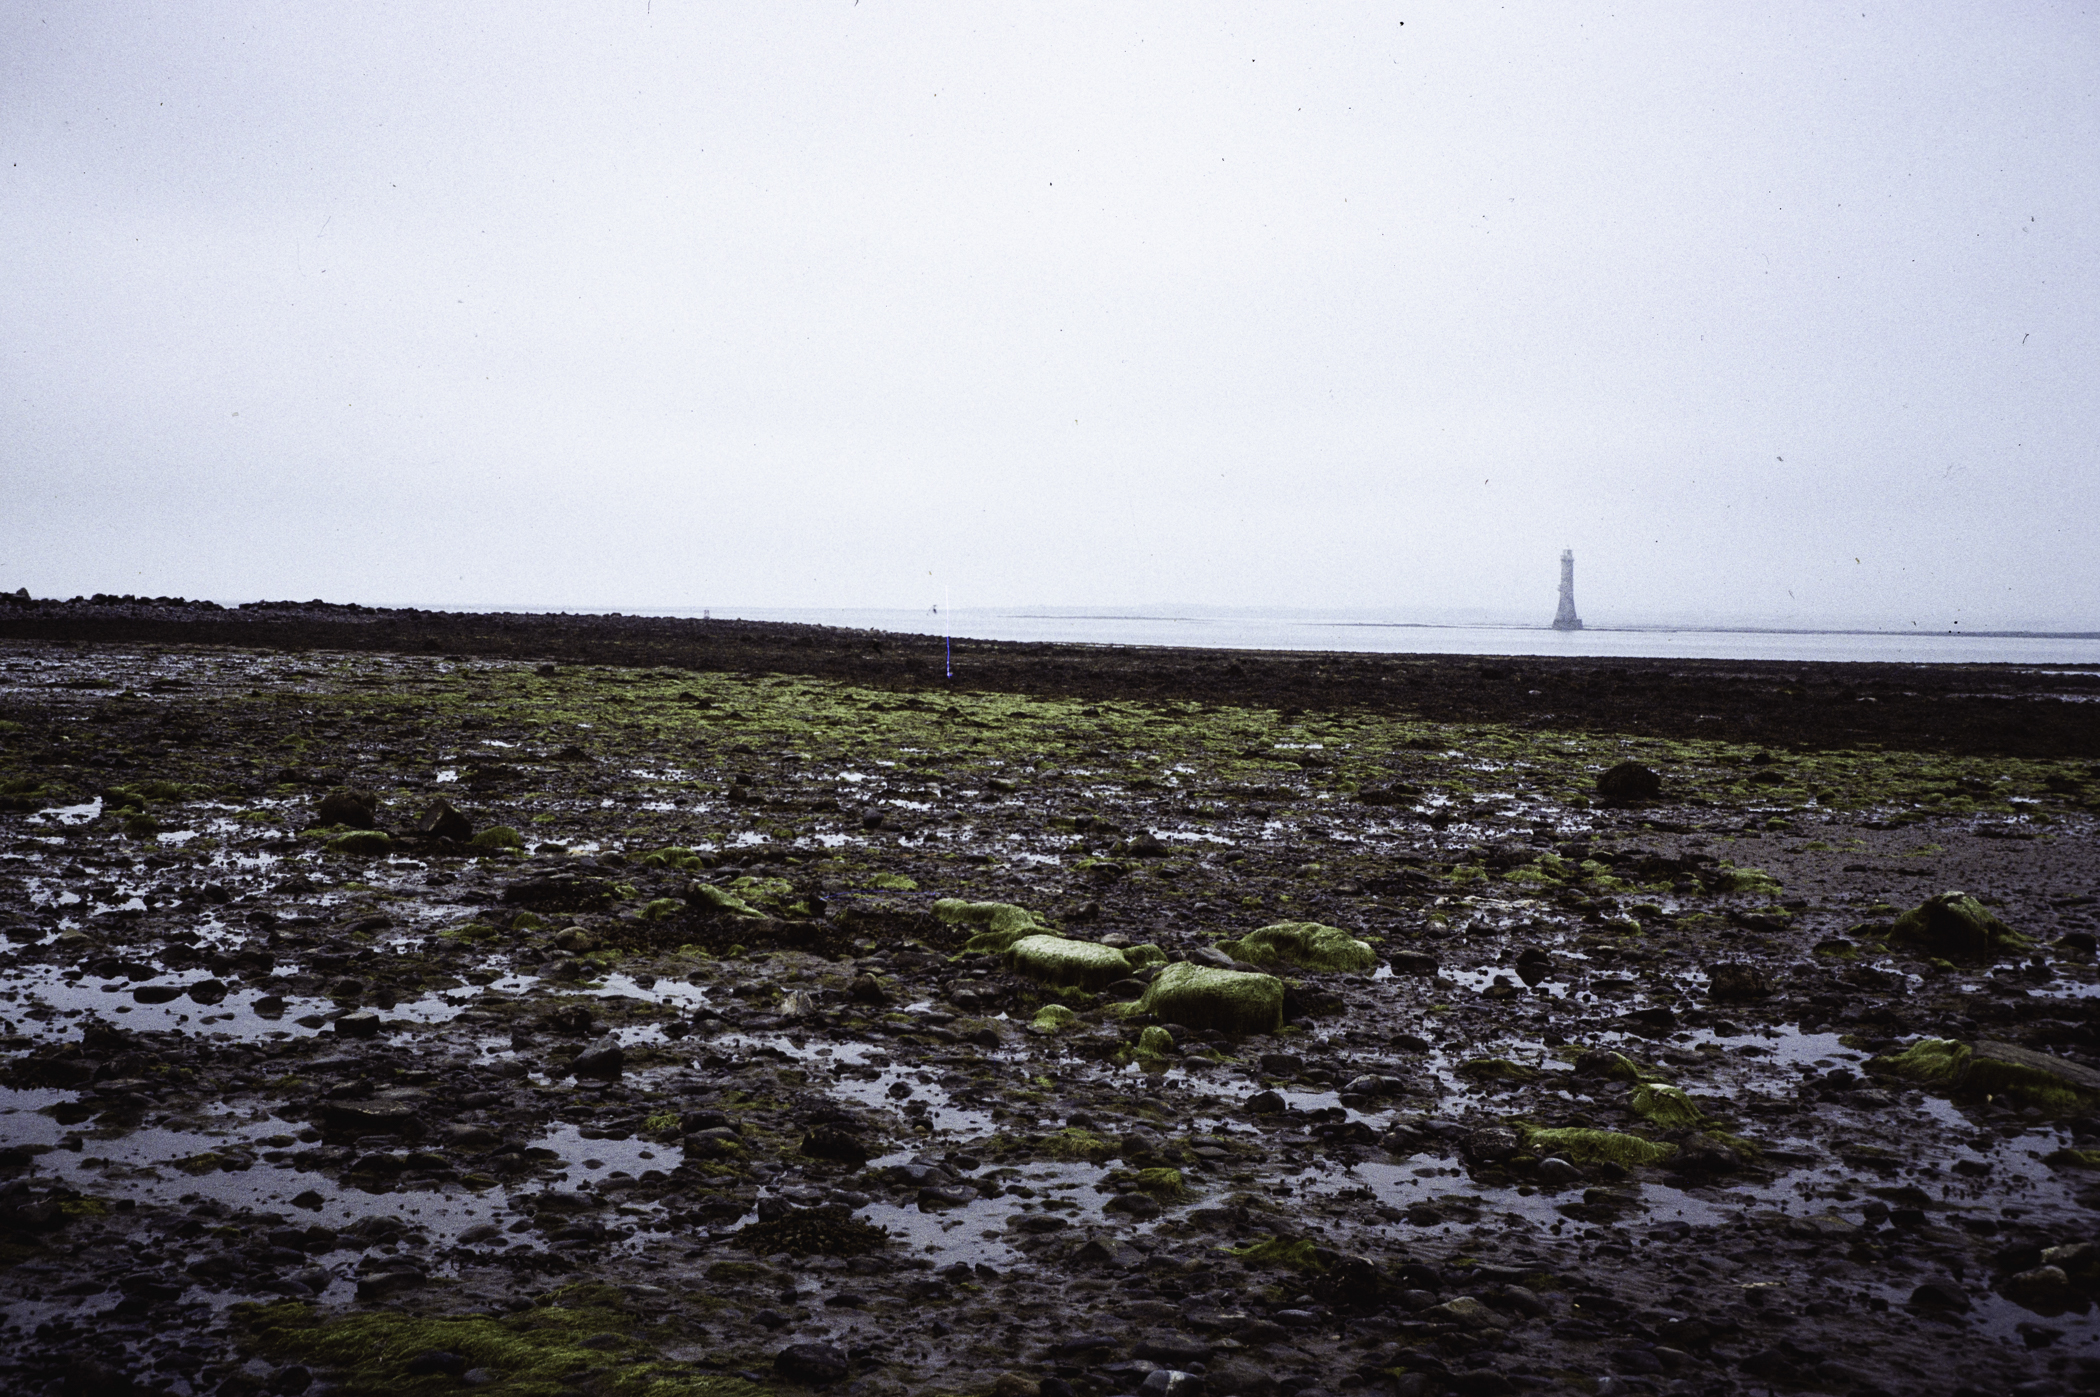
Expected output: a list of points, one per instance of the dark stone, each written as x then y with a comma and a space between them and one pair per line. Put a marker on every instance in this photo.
1733, 981
1629, 781
351, 809
604, 1058
830, 1142
442, 821
1173, 1350
1940, 1295
814, 1364
363, 1024
434, 1361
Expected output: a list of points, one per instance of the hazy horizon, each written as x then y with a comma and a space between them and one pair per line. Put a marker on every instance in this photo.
1782, 316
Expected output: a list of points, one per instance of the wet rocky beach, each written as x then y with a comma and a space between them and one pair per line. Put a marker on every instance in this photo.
408, 1005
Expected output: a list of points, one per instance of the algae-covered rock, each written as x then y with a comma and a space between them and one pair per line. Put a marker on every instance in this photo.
363, 841
1054, 960
1587, 1146
706, 897
1053, 1018
1000, 923
497, 837
2019, 1075
1309, 944
1958, 927
1230, 1001
1666, 1106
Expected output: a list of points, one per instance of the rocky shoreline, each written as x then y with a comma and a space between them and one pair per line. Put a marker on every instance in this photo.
416, 1004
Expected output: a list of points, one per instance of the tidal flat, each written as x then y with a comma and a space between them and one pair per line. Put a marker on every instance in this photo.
493, 1017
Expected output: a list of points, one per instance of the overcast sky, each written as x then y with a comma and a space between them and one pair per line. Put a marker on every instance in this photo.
1767, 311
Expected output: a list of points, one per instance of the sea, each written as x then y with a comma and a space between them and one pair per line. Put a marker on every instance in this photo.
1277, 630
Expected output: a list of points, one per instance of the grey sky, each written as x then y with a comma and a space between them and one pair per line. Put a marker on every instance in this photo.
1767, 311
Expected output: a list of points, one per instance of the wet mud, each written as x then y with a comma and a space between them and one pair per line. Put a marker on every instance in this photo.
380, 1020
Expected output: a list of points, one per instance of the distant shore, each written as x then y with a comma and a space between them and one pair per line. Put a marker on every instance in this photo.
2012, 710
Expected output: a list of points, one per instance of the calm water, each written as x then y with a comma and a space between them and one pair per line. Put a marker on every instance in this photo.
1274, 631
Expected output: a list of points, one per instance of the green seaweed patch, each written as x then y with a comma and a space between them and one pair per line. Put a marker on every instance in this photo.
1161, 1185
828, 1230
497, 837
999, 924
530, 1354
1582, 1145
1665, 1106
1284, 1253
894, 882
1307, 944
1728, 878
361, 841
1205, 997
1072, 1143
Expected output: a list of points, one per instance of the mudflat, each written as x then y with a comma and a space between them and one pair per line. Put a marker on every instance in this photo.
410, 1002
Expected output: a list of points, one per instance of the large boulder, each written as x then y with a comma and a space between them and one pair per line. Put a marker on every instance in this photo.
1309, 944
1956, 926
999, 924
1229, 1001
1629, 781
1055, 960
350, 809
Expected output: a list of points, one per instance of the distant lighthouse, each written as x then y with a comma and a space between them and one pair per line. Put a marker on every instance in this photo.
1565, 619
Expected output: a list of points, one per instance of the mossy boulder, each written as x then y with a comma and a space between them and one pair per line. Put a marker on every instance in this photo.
2019, 1075
1056, 960
1956, 926
707, 898
363, 841
497, 837
1582, 1145
1053, 1018
1203, 997
1666, 1106
1307, 944
999, 924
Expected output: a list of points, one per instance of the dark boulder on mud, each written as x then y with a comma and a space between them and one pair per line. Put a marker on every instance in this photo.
815, 1364
1955, 925
1629, 781
442, 820
350, 809
1732, 980
603, 1058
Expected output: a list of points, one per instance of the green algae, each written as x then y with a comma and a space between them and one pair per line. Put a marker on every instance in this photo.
1582, 1145
1665, 1106
1072, 1143
1053, 1018
1285, 1253
1727, 878
1307, 944
1959, 1070
498, 837
1931, 1061
1000, 923
708, 897
1055, 960
1957, 926
582, 1329
1207, 998
894, 882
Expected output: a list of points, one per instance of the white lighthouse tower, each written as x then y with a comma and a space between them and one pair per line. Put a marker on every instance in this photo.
1565, 619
